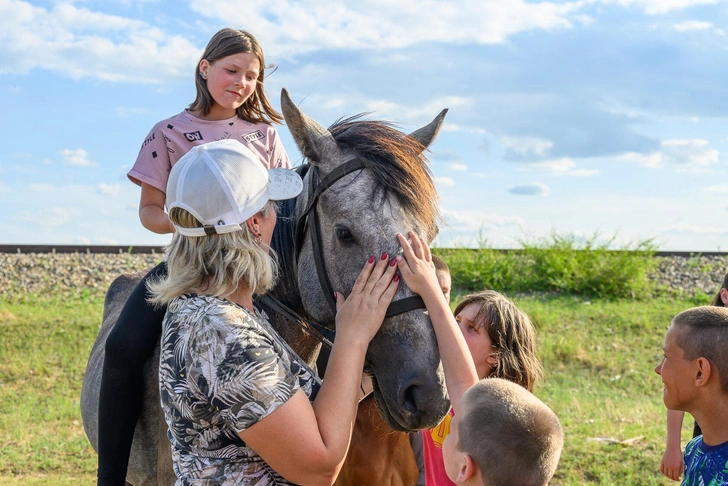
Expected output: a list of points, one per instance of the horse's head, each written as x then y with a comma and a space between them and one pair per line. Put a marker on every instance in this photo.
368, 182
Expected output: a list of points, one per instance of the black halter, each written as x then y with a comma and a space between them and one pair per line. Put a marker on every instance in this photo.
317, 187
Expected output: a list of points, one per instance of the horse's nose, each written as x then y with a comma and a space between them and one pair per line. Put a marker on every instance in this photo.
413, 397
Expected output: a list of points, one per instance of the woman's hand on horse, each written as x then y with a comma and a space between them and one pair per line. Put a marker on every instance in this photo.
361, 314
416, 265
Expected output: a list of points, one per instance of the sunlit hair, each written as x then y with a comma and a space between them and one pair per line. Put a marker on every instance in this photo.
257, 108
717, 301
440, 265
704, 333
512, 335
213, 264
512, 436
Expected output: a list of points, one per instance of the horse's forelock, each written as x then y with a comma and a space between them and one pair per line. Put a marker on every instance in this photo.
397, 162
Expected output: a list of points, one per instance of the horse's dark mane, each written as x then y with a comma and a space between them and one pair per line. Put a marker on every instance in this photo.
283, 244
397, 162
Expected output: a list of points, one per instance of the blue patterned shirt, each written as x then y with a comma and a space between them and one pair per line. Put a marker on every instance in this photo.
705, 465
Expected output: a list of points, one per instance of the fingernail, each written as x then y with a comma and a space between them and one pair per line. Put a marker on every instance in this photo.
371, 259
396, 278
392, 262
384, 256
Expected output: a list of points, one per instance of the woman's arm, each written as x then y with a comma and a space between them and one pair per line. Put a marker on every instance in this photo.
151, 210
306, 443
418, 272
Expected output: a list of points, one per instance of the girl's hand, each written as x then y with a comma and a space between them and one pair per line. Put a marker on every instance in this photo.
360, 315
416, 266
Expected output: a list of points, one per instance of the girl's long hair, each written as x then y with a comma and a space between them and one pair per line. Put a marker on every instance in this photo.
512, 335
226, 42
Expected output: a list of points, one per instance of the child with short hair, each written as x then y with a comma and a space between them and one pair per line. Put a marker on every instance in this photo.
694, 371
487, 337
672, 459
519, 443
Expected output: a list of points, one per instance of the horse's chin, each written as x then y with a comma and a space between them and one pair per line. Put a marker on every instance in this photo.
392, 417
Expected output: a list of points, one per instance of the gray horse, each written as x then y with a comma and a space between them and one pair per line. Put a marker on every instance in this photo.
365, 181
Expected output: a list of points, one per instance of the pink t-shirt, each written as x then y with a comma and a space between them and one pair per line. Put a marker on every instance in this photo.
170, 139
432, 440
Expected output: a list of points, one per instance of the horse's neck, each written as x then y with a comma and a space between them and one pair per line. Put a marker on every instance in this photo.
286, 289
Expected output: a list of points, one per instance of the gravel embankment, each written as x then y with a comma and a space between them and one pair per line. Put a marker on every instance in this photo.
74, 273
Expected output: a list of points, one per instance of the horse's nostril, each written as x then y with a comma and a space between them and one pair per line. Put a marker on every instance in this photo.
409, 401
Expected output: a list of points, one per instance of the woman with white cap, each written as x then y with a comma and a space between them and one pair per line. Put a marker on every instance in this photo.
240, 405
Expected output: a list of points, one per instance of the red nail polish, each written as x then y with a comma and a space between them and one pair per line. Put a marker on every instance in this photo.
396, 278
384, 256
392, 262
371, 259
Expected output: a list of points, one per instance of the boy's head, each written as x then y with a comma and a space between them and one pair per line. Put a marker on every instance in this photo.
694, 356
502, 435
443, 275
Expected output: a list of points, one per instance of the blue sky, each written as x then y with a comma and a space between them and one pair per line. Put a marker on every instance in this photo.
605, 117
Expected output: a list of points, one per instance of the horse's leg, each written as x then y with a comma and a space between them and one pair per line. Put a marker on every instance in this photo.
165, 472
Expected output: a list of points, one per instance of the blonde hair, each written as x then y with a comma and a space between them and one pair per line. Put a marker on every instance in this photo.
512, 436
213, 264
512, 335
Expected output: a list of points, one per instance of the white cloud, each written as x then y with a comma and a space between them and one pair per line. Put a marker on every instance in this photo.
81, 240
292, 27
693, 153
527, 146
717, 189
445, 181
658, 7
102, 240
693, 25
473, 221
457, 167
109, 189
564, 166
80, 43
453, 127
530, 189
695, 230
651, 161
77, 157
52, 217
690, 154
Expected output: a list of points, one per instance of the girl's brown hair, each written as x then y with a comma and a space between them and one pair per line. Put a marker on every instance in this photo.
226, 42
717, 301
512, 335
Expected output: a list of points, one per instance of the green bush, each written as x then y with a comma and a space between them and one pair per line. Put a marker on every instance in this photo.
558, 264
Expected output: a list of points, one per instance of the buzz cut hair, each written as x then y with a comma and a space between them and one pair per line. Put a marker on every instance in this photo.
704, 333
512, 436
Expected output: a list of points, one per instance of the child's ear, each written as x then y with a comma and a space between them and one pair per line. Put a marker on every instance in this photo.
702, 371
724, 296
468, 469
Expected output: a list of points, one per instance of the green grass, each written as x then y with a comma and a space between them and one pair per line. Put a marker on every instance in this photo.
599, 357
44, 345
557, 264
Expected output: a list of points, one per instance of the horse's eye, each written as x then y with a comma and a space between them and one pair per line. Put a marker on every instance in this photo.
343, 233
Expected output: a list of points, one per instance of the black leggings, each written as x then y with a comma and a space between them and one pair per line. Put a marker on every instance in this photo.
130, 343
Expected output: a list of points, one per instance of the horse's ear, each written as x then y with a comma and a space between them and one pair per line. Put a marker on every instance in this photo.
314, 141
428, 133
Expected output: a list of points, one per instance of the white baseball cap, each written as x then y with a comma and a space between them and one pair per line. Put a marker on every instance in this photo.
224, 183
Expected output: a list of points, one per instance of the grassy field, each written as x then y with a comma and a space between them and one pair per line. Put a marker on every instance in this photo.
598, 354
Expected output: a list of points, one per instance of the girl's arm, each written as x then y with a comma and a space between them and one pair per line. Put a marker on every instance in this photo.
151, 210
418, 272
307, 443
672, 460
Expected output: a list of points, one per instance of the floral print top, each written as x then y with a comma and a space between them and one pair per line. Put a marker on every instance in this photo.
221, 370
